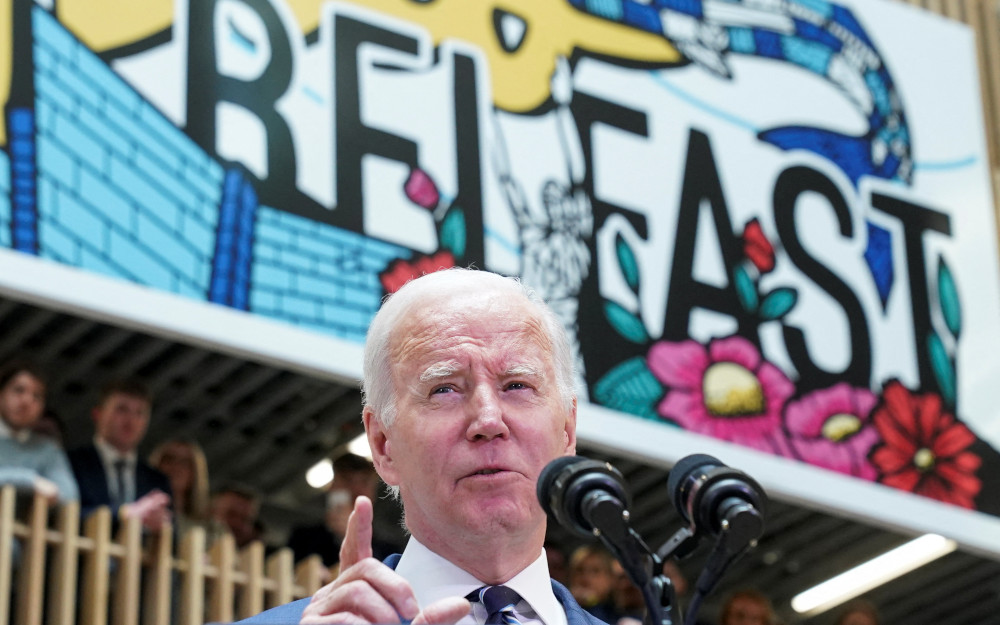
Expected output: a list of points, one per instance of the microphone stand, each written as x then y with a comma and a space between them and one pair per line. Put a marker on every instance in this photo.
644, 568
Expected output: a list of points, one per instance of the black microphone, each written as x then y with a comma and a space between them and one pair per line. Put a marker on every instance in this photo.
578, 492
717, 499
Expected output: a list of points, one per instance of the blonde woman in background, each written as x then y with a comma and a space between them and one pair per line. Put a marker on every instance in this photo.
183, 462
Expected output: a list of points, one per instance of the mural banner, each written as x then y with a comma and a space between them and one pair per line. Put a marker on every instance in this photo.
765, 224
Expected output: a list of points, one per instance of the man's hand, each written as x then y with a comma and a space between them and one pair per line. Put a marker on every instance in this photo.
368, 591
152, 509
47, 488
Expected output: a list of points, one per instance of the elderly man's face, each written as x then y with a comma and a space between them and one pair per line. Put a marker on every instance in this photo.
479, 417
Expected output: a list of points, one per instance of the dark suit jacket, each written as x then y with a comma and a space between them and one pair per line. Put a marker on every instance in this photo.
291, 613
307, 540
93, 481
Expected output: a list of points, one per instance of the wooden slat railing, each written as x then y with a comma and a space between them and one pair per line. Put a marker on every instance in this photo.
126, 579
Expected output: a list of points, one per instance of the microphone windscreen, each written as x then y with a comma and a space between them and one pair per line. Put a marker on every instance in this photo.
548, 477
684, 467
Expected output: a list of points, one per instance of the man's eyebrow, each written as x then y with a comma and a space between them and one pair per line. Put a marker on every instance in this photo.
439, 371
524, 370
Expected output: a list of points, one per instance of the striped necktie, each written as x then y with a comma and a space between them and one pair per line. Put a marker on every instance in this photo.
499, 602
121, 493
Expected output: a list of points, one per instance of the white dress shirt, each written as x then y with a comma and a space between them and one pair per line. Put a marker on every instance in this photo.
432, 578
109, 456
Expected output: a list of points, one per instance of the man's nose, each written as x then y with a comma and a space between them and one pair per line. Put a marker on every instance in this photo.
487, 416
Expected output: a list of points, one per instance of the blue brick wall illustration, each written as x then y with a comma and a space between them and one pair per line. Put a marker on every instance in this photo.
315, 275
4, 200
125, 193
122, 191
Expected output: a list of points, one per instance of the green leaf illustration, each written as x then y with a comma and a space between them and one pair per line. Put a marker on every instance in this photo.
630, 387
626, 259
627, 324
778, 303
453, 232
944, 369
746, 290
951, 307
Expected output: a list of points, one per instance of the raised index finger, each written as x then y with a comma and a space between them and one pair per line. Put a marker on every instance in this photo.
357, 543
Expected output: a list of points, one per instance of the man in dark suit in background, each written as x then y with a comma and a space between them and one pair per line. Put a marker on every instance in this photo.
109, 471
468, 388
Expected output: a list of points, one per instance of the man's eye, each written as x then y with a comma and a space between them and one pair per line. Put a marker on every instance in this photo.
513, 386
441, 389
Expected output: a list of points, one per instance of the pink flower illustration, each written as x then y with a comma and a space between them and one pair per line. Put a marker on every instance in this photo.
726, 390
421, 190
832, 428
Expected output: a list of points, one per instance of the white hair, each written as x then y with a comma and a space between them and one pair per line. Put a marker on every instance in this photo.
377, 388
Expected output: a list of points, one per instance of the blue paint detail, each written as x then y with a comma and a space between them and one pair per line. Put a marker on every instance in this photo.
768, 44
845, 18
48, 30
139, 261
60, 245
812, 56
689, 7
77, 218
741, 41
642, 16
957, 163
608, 9
54, 161
231, 264
818, 34
878, 255
819, 6
851, 154
877, 86
101, 193
49, 90
313, 95
23, 194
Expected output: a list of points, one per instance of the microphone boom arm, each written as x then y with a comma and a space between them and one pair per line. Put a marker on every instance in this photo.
611, 525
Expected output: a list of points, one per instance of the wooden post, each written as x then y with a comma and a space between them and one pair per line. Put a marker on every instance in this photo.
125, 610
159, 581
279, 571
988, 34
97, 528
221, 595
252, 565
62, 578
8, 499
193, 590
31, 581
308, 574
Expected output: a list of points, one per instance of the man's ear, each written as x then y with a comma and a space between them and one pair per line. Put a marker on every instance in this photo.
380, 446
570, 430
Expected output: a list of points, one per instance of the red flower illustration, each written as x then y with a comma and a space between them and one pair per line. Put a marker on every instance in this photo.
756, 247
924, 450
401, 271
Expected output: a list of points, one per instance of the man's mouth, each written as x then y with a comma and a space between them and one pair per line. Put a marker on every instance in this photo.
487, 472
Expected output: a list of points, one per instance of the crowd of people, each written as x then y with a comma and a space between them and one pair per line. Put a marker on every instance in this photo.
171, 486
468, 394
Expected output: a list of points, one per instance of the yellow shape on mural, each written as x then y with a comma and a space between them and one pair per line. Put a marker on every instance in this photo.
549, 29
6, 59
111, 24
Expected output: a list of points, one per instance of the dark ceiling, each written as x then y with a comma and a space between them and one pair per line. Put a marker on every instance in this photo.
265, 426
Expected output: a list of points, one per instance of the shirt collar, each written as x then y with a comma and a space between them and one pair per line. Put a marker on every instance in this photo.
22, 436
109, 455
432, 577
